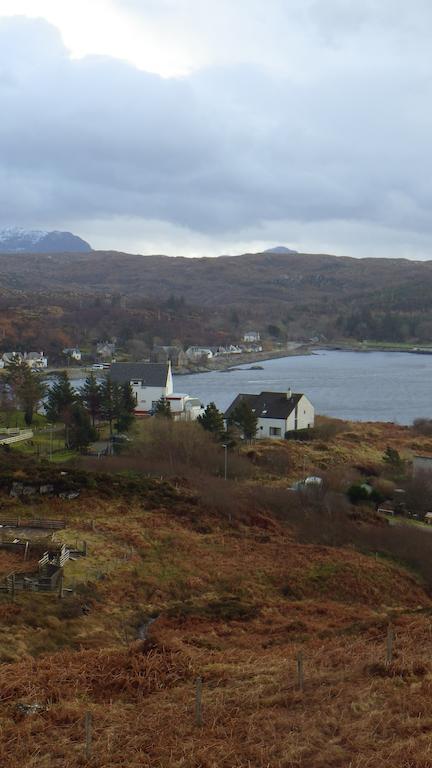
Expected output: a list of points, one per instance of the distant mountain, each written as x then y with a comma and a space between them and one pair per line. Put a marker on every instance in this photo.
16, 240
280, 249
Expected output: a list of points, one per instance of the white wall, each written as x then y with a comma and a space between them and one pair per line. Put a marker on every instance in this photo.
264, 428
146, 396
305, 415
305, 419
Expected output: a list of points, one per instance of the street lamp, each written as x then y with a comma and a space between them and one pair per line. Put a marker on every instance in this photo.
226, 460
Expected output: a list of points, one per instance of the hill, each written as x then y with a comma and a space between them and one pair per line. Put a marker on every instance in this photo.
285, 295
173, 588
17, 240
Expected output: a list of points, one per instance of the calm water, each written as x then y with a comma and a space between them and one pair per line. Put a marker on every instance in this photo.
371, 386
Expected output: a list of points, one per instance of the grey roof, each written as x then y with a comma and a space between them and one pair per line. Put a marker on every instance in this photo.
151, 374
268, 405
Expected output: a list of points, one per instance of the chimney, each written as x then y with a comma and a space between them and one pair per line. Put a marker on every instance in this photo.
289, 393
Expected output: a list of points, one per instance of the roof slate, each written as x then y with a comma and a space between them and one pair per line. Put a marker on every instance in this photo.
268, 405
151, 374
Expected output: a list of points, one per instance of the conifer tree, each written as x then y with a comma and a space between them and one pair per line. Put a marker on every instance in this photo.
212, 420
61, 397
91, 397
26, 387
163, 409
244, 418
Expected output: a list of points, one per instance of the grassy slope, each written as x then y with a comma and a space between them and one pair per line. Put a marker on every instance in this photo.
236, 604
354, 445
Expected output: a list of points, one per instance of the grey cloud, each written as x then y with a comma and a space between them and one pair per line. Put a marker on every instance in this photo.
226, 149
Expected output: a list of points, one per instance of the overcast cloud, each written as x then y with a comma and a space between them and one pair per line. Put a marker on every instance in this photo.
303, 122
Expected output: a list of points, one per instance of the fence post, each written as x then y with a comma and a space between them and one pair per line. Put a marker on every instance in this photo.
300, 674
85, 548
88, 734
26, 550
389, 644
198, 703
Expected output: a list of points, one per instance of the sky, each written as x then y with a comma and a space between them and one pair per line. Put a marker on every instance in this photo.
202, 127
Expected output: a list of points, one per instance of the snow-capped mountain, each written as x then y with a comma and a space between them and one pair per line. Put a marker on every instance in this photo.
17, 240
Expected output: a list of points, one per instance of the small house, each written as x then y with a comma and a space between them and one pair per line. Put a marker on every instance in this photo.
197, 353
149, 382
74, 353
251, 336
277, 412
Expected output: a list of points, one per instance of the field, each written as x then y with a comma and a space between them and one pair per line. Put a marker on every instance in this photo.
176, 587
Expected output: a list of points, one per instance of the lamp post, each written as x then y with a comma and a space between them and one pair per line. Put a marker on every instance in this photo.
226, 460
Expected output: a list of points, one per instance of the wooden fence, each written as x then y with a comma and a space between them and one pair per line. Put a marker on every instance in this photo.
19, 522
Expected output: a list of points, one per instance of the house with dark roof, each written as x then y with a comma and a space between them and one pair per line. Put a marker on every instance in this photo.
149, 382
277, 412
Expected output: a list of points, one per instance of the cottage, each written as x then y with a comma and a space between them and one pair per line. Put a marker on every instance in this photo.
149, 382
252, 336
277, 412
34, 360
106, 348
73, 352
165, 354
197, 353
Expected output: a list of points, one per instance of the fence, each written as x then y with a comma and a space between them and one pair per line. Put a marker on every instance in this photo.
17, 437
18, 522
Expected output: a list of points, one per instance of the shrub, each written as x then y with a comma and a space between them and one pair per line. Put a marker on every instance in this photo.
422, 427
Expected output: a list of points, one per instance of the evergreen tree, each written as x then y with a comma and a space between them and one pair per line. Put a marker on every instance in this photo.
61, 397
91, 397
244, 418
81, 432
163, 409
26, 388
109, 401
125, 407
212, 420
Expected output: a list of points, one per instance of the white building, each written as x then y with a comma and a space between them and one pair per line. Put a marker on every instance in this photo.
196, 353
277, 412
184, 407
252, 336
149, 382
73, 352
34, 360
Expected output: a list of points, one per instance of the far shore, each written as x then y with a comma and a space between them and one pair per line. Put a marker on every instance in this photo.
229, 362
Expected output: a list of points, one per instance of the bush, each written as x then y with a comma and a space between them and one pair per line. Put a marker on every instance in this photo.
422, 427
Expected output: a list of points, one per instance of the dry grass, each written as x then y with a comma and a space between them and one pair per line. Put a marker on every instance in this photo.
236, 601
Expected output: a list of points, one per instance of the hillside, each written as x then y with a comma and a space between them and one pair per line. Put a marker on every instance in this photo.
303, 294
233, 601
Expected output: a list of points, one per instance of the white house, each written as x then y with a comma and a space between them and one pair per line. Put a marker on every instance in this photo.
73, 352
149, 382
33, 359
36, 359
277, 412
195, 353
252, 336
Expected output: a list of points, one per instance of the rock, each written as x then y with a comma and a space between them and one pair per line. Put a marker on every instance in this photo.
29, 490
69, 495
46, 489
17, 489
30, 709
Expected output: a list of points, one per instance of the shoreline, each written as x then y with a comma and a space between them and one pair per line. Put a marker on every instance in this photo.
242, 360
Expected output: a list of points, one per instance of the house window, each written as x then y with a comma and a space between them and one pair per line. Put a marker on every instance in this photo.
275, 432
